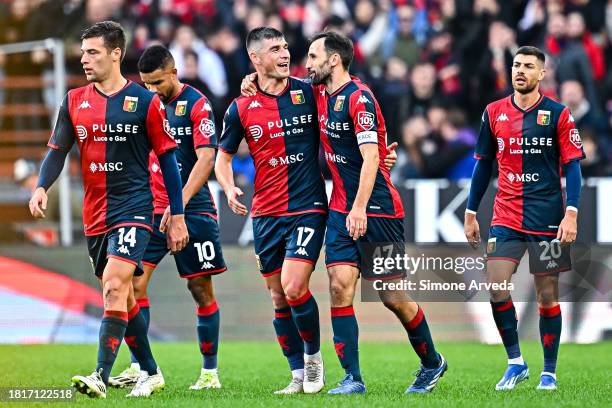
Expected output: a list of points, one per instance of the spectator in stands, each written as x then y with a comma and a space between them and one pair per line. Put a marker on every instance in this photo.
448, 69
393, 96
191, 77
576, 31
447, 154
572, 96
494, 80
587, 120
210, 66
401, 42
423, 88
571, 60
456, 158
415, 133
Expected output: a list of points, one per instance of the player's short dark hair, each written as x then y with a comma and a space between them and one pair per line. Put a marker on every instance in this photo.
153, 58
530, 50
262, 33
337, 43
112, 33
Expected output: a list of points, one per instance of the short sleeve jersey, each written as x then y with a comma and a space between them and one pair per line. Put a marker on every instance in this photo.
530, 146
114, 134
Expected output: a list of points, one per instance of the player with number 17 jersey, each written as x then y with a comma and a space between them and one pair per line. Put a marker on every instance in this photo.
282, 134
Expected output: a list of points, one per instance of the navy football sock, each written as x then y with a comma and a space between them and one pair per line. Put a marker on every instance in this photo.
208, 334
504, 315
346, 339
289, 339
550, 336
306, 317
420, 338
138, 341
111, 334
143, 303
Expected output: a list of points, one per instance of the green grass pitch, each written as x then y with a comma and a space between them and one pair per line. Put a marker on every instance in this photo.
251, 371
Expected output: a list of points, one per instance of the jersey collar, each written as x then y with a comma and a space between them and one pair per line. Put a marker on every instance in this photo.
113, 94
532, 107
269, 95
177, 95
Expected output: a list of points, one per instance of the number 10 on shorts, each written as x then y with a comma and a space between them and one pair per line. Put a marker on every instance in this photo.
206, 250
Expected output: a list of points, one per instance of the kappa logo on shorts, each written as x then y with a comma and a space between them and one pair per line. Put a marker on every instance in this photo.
207, 265
301, 251
123, 250
552, 264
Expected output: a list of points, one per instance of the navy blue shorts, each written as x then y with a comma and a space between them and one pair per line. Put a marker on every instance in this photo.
201, 256
292, 237
546, 254
384, 236
127, 243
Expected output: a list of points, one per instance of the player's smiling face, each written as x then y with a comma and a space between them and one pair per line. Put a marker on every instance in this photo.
97, 60
274, 58
527, 72
318, 63
162, 81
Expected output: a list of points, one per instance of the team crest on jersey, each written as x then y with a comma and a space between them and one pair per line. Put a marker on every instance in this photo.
574, 137
297, 97
181, 108
339, 103
365, 120
543, 117
130, 103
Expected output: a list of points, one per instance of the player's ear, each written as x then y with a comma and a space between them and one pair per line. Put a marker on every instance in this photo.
254, 58
334, 60
542, 74
116, 54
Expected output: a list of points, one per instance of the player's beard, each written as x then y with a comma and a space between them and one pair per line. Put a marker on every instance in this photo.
322, 77
527, 88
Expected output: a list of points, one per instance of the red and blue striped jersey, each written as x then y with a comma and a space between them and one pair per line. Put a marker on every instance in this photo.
283, 138
349, 118
530, 147
115, 134
191, 123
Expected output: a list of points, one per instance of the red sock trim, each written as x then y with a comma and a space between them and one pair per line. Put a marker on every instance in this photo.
301, 300
550, 311
207, 310
282, 315
342, 311
507, 305
143, 302
132, 313
416, 320
116, 314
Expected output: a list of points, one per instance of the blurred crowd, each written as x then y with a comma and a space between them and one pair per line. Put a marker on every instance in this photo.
433, 64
